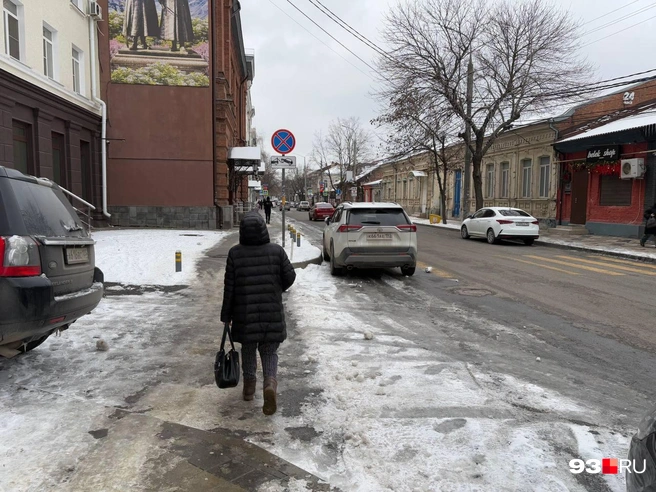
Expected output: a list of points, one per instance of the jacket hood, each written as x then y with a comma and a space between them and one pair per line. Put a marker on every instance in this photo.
253, 230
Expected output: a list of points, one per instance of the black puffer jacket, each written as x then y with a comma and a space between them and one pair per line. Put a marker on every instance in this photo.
257, 273
648, 213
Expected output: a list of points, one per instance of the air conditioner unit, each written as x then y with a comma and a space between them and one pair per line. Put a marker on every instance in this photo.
632, 168
95, 10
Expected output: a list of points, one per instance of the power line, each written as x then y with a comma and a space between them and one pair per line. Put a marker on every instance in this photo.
617, 32
333, 37
348, 28
620, 19
322, 42
613, 11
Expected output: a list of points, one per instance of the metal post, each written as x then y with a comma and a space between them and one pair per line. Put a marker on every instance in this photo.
178, 261
468, 156
283, 208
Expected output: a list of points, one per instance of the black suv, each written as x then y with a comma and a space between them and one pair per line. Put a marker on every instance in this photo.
48, 277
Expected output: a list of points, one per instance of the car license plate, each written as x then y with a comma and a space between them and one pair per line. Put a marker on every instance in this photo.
379, 235
77, 255
525, 224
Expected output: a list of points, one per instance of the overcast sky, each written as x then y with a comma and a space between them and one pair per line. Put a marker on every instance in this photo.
302, 85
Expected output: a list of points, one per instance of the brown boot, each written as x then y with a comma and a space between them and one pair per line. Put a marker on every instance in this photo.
270, 387
249, 389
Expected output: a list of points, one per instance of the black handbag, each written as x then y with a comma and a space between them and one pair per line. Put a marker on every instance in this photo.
226, 365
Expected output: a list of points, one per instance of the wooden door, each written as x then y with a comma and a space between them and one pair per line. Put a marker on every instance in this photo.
579, 197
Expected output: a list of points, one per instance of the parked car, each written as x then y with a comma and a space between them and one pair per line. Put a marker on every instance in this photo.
321, 210
495, 223
48, 277
288, 206
370, 235
303, 206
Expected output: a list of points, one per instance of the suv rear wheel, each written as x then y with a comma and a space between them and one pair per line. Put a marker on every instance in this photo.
408, 272
335, 271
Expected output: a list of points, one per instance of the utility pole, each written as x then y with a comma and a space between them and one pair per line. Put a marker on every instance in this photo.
304, 179
284, 199
468, 156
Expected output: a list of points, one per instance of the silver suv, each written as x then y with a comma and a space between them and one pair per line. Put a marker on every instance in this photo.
370, 235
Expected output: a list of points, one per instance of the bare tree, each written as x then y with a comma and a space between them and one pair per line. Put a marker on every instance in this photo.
523, 53
270, 177
346, 144
416, 126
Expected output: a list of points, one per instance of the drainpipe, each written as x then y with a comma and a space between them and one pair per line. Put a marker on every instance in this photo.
560, 178
103, 106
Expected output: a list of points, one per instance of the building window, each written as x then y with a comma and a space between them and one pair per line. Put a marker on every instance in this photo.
489, 173
22, 161
527, 177
12, 29
77, 3
545, 176
77, 70
48, 52
615, 192
505, 179
58, 174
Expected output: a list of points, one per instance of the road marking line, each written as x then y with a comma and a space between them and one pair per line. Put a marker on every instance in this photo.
630, 262
581, 267
436, 271
539, 264
618, 267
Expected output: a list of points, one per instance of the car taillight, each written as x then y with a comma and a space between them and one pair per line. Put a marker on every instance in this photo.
19, 257
349, 228
500, 221
535, 222
407, 228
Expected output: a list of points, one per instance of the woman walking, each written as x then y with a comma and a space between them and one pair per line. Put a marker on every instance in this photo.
257, 273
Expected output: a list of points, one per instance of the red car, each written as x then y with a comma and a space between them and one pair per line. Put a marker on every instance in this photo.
320, 211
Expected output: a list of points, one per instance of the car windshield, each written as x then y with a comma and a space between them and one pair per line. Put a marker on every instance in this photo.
45, 211
377, 216
513, 212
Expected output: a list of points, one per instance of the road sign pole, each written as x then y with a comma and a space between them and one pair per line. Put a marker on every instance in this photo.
283, 208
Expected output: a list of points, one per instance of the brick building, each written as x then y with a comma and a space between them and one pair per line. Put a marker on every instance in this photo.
177, 108
597, 139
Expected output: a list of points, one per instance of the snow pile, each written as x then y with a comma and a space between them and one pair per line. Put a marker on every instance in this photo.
147, 256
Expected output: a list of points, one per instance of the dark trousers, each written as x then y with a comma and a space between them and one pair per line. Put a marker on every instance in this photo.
268, 355
646, 237
267, 213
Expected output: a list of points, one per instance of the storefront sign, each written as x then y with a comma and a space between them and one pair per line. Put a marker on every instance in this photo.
607, 153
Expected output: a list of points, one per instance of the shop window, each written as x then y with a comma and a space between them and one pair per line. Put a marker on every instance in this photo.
22, 148
615, 192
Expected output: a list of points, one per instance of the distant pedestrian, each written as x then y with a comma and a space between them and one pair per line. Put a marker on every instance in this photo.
650, 225
257, 273
267, 209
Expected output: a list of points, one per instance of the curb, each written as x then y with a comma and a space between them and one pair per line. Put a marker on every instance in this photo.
432, 226
627, 256
314, 261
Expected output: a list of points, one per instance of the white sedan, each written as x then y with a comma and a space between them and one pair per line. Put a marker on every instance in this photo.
494, 223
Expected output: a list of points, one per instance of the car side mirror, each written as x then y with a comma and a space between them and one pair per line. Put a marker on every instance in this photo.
327, 220
470, 216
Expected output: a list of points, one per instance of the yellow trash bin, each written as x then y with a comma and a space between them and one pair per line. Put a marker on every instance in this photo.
434, 219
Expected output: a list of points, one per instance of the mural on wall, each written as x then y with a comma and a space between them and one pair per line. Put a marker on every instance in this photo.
159, 42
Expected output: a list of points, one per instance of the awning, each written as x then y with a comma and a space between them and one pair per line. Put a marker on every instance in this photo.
245, 154
647, 118
418, 174
374, 183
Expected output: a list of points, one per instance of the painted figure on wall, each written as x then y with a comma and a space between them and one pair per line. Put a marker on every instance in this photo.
176, 23
140, 21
